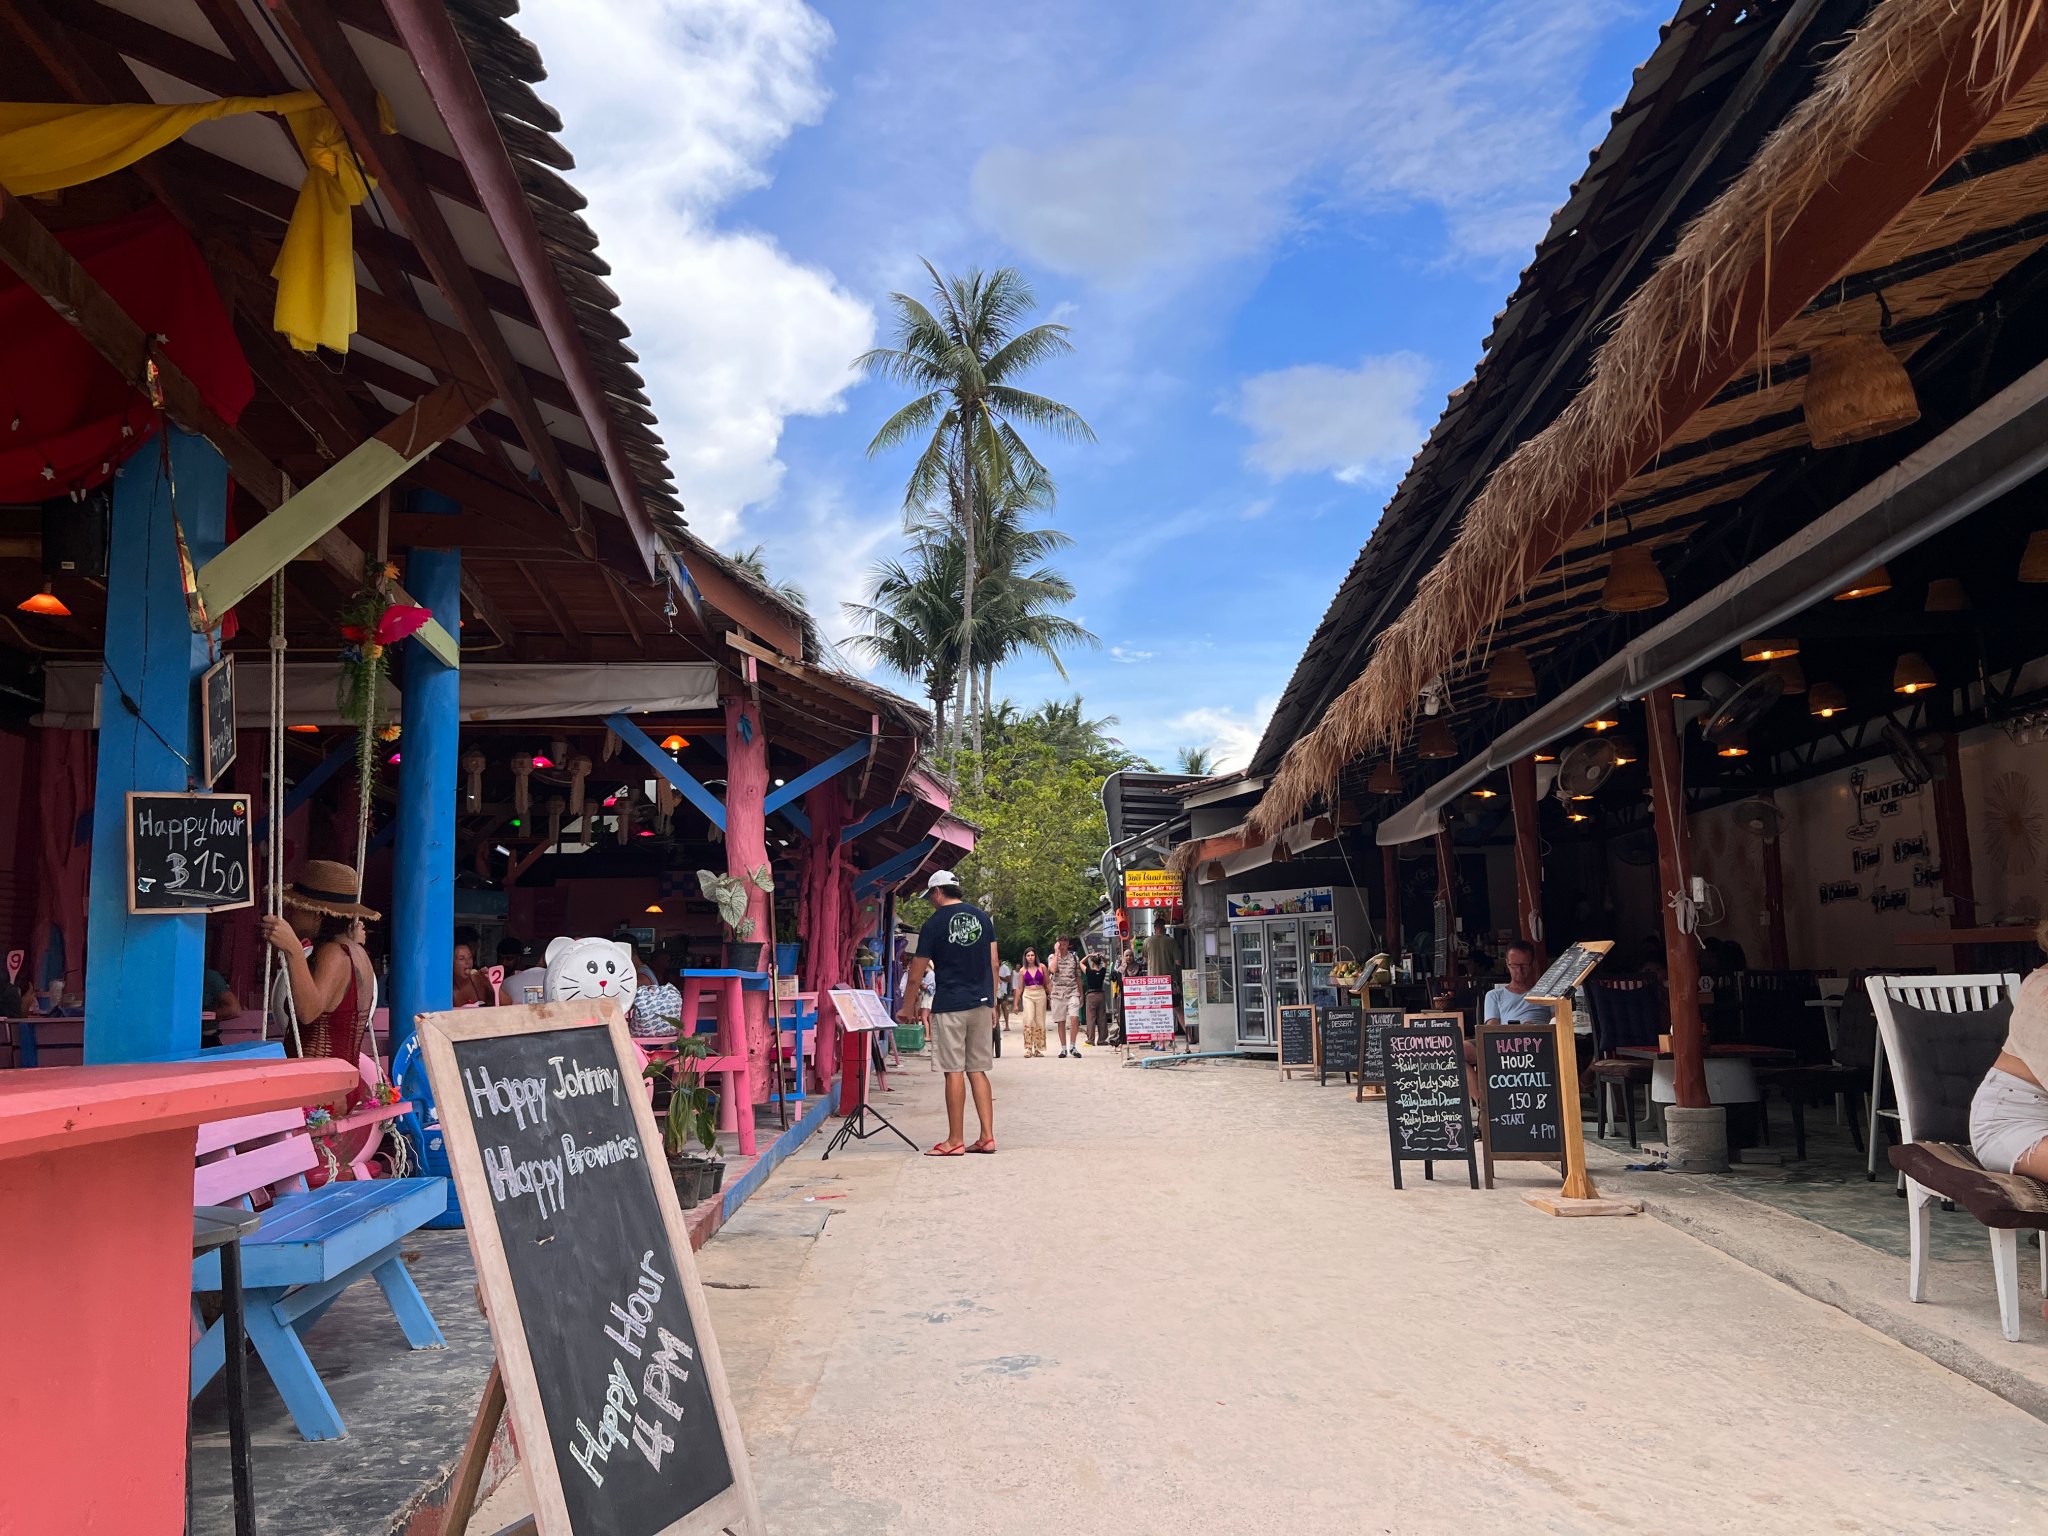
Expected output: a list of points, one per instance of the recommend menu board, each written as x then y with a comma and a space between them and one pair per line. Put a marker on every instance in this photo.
189, 853
1519, 1090
1148, 1009
612, 1375
1429, 1111
1342, 1040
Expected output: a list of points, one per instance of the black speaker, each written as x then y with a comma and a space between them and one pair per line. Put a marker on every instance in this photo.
75, 534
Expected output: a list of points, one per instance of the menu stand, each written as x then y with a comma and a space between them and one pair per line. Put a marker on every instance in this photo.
1578, 1197
861, 1011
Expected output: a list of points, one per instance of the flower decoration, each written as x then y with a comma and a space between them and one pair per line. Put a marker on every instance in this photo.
400, 620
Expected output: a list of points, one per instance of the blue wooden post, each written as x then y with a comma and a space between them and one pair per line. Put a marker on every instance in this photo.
142, 972
422, 915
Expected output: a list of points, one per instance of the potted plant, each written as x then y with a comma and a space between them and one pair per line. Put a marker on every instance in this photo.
692, 1115
728, 893
789, 948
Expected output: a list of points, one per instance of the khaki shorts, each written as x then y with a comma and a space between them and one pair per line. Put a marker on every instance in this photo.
963, 1040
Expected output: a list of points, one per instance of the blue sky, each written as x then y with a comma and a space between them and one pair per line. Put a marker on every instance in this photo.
1278, 231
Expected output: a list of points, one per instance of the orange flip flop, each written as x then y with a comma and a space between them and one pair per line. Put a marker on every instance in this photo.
940, 1149
981, 1146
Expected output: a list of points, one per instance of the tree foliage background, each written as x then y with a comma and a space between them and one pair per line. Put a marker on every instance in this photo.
1043, 832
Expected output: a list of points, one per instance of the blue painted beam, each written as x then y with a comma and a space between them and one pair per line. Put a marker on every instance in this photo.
893, 869
875, 818
669, 769
379, 841
142, 971
795, 818
342, 756
811, 778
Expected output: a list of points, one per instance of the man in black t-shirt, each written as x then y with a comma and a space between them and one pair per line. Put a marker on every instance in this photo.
958, 943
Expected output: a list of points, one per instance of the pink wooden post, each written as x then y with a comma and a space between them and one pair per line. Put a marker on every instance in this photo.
746, 849
822, 913
96, 1194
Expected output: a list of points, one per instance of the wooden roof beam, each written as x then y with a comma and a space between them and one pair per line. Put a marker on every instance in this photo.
338, 74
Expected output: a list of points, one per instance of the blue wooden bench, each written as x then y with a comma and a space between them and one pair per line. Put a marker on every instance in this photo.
313, 1245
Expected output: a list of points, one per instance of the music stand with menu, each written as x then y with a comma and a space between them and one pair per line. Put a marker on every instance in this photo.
861, 1012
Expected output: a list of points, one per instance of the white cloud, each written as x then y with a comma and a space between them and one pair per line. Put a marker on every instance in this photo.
1358, 424
1358, 105
1129, 657
1231, 737
671, 116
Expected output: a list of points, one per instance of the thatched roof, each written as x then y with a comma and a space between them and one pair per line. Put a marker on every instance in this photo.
1675, 329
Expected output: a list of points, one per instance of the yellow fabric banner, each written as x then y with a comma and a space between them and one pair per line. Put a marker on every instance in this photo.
45, 147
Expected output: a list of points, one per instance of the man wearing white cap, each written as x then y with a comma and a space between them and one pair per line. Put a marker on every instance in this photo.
958, 944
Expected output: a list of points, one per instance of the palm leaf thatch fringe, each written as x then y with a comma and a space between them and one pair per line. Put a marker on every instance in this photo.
1520, 518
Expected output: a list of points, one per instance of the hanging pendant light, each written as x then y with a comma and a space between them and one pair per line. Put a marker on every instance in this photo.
1735, 746
1634, 584
1945, 594
2033, 564
1385, 779
1869, 584
1856, 389
46, 603
1826, 700
1510, 676
1790, 673
1435, 741
1624, 751
1912, 674
1769, 649
1602, 723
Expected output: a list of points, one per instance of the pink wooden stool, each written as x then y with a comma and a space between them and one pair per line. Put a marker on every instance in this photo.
736, 1099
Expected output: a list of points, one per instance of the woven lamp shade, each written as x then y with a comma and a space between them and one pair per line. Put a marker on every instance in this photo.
1869, 584
1790, 673
1769, 648
1946, 595
1384, 780
1435, 740
1510, 676
2034, 563
1634, 584
1856, 389
1912, 674
1826, 700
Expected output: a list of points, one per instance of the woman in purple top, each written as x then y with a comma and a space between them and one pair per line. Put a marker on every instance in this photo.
1032, 996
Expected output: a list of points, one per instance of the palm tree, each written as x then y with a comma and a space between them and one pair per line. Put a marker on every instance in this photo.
911, 620
961, 354
1064, 726
1197, 760
754, 562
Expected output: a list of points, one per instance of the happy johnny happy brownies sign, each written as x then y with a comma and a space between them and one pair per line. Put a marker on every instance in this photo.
612, 1376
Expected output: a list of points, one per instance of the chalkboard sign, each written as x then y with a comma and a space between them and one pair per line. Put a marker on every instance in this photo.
1297, 1039
1372, 1048
1429, 1111
1341, 1039
612, 1375
189, 853
1571, 968
217, 718
1518, 1082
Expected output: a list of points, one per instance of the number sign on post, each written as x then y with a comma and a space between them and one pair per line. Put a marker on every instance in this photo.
1519, 1088
1372, 1049
217, 718
189, 853
612, 1375
1297, 1039
1429, 1108
1342, 1039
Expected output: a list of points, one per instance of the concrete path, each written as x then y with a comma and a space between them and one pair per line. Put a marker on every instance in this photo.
1190, 1301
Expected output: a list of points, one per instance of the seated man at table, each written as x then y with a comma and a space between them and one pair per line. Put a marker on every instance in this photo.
1508, 1003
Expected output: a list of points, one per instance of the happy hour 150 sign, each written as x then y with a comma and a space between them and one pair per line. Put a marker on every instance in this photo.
1148, 1008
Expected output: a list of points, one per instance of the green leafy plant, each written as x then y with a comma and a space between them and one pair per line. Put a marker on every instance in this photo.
692, 1103
728, 893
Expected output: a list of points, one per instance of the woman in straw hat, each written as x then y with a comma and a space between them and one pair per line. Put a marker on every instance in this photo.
334, 989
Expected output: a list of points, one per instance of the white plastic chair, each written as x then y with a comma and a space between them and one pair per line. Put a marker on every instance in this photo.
1944, 994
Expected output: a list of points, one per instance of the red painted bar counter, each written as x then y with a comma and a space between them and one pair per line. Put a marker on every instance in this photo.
95, 1281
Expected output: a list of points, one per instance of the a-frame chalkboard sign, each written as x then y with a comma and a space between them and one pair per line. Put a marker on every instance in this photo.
610, 1370
1429, 1101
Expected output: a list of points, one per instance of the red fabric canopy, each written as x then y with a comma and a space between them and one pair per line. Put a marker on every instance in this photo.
66, 417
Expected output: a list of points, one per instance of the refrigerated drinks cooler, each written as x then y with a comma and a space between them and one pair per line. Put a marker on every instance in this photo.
1282, 947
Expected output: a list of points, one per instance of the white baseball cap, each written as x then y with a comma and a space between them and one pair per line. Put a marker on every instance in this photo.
941, 877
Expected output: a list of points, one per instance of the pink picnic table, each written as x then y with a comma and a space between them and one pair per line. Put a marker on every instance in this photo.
96, 1199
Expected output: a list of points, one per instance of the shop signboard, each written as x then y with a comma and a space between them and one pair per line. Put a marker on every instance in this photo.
1519, 1093
1148, 888
1372, 1048
613, 1382
189, 853
1294, 903
1148, 1009
1343, 1039
1429, 1108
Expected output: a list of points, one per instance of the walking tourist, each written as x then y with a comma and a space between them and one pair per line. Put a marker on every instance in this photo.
1006, 993
1063, 979
1032, 1002
1095, 996
958, 944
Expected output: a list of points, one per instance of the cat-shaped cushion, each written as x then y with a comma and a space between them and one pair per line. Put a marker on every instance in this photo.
582, 970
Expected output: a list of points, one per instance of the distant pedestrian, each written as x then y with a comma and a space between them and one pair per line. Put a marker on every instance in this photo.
1032, 1001
1006, 993
1063, 982
1095, 996
958, 943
